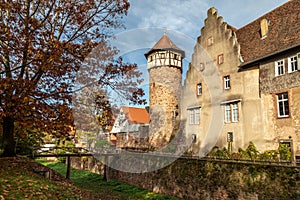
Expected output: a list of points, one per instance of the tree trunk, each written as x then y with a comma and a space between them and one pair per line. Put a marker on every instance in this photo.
8, 137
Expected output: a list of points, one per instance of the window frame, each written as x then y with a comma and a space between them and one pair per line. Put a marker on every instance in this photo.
284, 103
210, 41
291, 62
220, 59
194, 115
277, 66
231, 112
234, 112
226, 82
227, 113
199, 86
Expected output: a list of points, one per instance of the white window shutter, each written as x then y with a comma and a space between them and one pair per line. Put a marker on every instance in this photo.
289, 65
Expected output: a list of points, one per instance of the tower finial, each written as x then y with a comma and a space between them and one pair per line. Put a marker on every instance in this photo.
165, 30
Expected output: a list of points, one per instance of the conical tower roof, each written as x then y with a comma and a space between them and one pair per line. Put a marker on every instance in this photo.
165, 43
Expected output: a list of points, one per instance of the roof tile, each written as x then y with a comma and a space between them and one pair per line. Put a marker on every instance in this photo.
136, 115
284, 32
165, 43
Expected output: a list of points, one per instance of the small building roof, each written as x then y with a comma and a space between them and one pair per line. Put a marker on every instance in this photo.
283, 32
165, 43
136, 115
130, 119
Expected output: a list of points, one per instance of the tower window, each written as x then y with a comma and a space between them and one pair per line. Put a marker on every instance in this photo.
199, 89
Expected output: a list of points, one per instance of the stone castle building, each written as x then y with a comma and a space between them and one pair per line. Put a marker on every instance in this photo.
245, 82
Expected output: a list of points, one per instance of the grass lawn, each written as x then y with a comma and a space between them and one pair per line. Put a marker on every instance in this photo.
18, 181
112, 189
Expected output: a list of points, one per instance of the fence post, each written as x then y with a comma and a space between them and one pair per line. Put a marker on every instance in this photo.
68, 167
106, 168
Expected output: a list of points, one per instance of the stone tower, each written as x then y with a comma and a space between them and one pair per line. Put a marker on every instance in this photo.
165, 73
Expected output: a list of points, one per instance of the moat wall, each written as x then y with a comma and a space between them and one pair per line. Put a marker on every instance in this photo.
202, 179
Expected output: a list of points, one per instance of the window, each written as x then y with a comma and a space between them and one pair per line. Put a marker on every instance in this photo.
227, 113
220, 59
279, 68
197, 116
282, 105
210, 41
235, 113
226, 80
264, 28
199, 89
292, 64
229, 136
201, 67
231, 113
194, 115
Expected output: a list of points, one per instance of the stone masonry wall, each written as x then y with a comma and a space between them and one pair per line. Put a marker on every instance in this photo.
87, 163
165, 93
205, 180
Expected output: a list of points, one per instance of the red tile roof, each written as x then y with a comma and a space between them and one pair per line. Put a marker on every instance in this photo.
165, 43
284, 32
136, 115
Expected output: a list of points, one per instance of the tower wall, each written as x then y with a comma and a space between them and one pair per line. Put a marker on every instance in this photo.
165, 94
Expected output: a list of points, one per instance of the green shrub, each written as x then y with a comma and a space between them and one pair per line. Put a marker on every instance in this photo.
285, 152
269, 155
251, 151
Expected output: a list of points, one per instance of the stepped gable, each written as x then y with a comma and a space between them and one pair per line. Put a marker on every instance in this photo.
283, 33
165, 43
224, 27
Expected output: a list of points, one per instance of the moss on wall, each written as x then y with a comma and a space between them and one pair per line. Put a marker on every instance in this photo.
203, 179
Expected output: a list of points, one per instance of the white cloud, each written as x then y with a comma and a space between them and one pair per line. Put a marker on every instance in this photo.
187, 16
184, 16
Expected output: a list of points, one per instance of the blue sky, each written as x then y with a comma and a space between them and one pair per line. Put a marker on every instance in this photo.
183, 20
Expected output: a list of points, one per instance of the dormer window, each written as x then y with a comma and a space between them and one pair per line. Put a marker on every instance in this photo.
264, 28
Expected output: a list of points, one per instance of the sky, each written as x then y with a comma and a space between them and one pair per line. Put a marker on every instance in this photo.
182, 20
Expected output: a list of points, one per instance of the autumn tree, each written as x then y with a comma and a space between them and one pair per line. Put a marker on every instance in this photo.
43, 45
